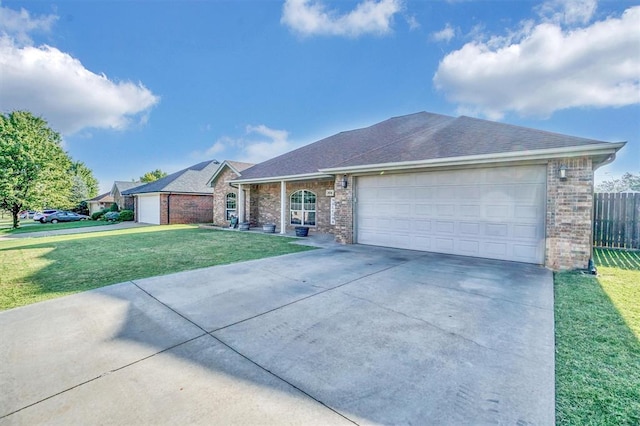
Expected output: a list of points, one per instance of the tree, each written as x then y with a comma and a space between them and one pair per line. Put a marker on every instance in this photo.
152, 176
35, 168
85, 185
628, 182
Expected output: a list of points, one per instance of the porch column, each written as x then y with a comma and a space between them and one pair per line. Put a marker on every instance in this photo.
283, 207
241, 214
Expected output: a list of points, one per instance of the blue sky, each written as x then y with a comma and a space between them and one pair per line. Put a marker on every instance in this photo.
137, 85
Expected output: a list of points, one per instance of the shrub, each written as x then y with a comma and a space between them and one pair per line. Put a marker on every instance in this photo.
81, 208
112, 216
99, 214
114, 207
126, 215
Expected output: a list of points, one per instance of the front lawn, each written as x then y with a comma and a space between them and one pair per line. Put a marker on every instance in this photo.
35, 269
597, 342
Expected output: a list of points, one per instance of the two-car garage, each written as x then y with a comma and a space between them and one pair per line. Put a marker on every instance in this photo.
491, 212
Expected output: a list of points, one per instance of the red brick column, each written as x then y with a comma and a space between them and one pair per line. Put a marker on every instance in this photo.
344, 210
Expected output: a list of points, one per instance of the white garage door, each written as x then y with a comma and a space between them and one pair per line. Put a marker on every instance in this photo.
149, 209
497, 213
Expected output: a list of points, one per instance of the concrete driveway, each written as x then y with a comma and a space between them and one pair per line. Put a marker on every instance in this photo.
339, 335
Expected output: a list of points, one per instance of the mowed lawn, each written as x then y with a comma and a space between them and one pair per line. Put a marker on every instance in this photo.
35, 269
598, 342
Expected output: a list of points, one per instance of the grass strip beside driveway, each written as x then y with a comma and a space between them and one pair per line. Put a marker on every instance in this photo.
597, 342
35, 269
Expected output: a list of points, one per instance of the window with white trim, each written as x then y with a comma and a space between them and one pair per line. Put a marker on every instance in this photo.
303, 208
231, 205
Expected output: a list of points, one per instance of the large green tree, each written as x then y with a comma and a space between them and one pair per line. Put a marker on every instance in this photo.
628, 182
34, 169
152, 176
84, 184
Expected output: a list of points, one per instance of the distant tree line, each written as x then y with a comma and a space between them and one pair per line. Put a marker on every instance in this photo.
628, 182
35, 171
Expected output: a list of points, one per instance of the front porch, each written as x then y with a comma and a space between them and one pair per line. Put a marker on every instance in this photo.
314, 239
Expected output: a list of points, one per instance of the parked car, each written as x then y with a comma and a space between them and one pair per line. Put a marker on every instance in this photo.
27, 214
63, 216
39, 215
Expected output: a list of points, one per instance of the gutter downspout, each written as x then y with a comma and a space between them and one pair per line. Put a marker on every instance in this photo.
169, 209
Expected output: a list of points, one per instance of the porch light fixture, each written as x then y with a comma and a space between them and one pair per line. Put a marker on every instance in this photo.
345, 181
562, 172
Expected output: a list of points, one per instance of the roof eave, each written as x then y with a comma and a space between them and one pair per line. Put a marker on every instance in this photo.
603, 150
286, 178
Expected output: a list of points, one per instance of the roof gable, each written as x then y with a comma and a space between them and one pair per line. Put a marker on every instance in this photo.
123, 185
235, 166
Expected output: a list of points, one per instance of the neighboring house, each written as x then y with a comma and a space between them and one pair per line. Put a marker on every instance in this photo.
437, 183
102, 201
124, 202
225, 194
181, 197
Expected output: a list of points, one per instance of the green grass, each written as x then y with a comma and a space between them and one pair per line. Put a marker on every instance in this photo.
29, 225
35, 269
598, 342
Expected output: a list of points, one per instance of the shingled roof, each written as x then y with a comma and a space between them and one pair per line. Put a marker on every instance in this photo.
190, 180
104, 198
124, 185
413, 138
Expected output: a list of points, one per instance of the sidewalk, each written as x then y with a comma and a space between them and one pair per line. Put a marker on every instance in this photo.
110, 227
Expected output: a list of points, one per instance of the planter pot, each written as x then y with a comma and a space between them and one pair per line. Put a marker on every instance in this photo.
244, 226
269, 228
302, 231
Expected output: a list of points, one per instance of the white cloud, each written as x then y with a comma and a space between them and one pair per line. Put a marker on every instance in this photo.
412, 22
18, 24
568, 11
541, 68
216, 148
445, 34
311, 17
260, 143
56, 86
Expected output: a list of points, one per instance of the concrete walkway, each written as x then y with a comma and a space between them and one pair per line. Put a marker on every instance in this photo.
340, 335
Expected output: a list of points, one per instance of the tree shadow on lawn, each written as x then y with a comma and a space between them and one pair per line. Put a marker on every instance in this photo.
73, 263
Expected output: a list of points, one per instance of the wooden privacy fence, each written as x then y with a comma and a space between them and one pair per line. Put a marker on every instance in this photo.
616, 220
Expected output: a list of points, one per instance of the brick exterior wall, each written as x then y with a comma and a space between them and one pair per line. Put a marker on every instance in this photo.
185, 208
344, 210
220, 190
569, 214
264, 204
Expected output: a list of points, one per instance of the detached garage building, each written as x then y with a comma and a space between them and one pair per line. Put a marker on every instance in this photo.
181, 197
437, 183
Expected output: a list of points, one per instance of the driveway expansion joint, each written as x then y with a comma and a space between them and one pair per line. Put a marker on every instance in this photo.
235, 351
325, 290
100, 376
